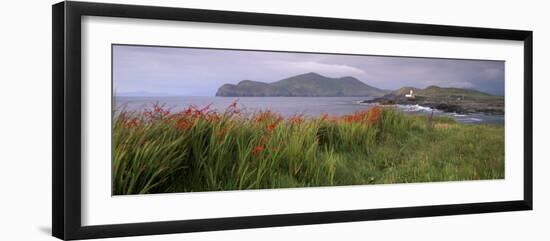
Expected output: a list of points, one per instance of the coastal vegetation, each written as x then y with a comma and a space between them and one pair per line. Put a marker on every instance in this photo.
454, 100
198, 149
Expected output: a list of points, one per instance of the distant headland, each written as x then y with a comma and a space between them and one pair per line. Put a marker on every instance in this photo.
446, 99
461, 101
304, 85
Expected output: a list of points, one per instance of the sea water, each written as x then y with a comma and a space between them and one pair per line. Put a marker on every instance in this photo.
288, 106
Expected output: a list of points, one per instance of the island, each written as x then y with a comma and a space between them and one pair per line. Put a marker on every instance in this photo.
304, 85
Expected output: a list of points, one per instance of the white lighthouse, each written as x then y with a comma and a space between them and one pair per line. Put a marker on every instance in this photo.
410, 95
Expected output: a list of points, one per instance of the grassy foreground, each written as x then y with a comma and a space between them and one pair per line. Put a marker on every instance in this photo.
200, 150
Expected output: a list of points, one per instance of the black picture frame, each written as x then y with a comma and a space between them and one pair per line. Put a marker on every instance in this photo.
66, 166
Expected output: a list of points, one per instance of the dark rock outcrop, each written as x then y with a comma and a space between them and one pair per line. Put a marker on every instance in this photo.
456, 100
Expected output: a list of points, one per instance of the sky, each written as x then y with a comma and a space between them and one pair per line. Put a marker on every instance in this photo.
200, 72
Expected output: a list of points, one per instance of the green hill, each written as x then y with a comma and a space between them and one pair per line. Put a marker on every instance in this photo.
305, 85
251, 88
446, 99
446, 92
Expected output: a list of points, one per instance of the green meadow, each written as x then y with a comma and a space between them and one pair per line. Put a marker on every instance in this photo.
194, 150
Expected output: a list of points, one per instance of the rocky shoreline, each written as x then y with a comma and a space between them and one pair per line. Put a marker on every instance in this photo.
490, 105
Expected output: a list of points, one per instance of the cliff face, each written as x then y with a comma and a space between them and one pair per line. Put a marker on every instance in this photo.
307, 85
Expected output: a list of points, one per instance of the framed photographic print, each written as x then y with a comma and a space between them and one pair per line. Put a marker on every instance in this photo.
169, 120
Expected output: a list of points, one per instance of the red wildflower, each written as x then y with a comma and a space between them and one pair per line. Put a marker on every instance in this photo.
296, 120
184, 124
265, 115
232, 108
213, 117
373, 114
273, 125
157, 112
326, 117
190, 109
148, 114
133, 123
257, 150
358, 116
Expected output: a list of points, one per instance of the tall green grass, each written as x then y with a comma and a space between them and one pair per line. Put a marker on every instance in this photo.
198, 150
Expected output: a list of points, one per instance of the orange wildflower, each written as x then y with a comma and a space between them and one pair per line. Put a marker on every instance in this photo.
373, 115
232, 108
133, 123
257, 150
296, 120
273, 125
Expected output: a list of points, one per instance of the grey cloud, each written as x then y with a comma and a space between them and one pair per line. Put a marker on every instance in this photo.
188, 71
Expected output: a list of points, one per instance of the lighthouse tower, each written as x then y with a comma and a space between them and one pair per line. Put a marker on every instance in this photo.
410, 95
